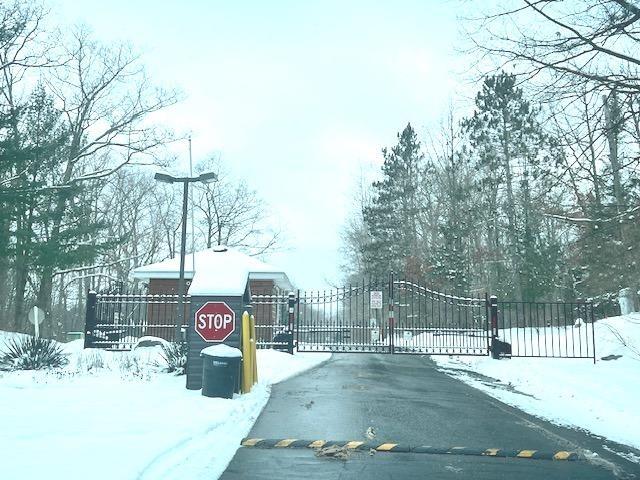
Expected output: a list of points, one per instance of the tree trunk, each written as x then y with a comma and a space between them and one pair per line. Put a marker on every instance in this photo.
21, 266
43, 300
20, 269
4, 267
612, 120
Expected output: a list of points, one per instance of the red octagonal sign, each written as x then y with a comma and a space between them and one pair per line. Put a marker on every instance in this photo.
215, 321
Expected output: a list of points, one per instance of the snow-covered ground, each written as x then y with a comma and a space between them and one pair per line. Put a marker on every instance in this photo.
116, 416
601, 398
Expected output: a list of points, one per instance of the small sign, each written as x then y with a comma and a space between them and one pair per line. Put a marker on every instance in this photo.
36, 317
407, 335
375, 299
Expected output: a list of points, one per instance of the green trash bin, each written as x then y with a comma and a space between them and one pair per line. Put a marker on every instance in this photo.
220, 371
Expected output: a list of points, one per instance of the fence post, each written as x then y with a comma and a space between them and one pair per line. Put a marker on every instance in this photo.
292, 305
593, 333
391, 314
493, 315
90, 319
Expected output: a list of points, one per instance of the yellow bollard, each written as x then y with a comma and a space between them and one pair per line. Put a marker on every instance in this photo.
247, 364
254, 356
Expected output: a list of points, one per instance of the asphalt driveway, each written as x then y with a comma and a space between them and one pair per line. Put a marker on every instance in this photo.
406, 400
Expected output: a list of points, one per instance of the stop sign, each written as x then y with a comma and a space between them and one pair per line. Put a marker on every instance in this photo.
215, 321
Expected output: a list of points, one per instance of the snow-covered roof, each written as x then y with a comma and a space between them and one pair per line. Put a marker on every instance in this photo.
222, 270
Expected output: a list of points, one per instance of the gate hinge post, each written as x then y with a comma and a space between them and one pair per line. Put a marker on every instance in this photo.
391, 314
493, 322
291, 304
90, 320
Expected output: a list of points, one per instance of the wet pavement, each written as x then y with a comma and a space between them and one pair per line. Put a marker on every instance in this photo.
406, 400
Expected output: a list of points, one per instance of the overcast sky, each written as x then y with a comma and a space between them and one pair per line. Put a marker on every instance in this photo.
294, 96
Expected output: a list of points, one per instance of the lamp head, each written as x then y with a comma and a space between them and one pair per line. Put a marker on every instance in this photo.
163, 177
207, 177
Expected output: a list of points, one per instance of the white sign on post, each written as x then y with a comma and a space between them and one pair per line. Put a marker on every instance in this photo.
375, 299
36, 316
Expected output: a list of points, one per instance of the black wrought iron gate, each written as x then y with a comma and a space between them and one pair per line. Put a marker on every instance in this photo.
389, 316
395, 316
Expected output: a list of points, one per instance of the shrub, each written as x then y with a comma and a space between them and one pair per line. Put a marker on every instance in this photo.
89, 361
131, 365
175, 358
30, 353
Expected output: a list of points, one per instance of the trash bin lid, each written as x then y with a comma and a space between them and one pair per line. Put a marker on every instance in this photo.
222, 350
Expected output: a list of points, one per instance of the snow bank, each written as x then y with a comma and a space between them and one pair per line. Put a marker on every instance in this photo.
602, 398
5, 336
116, 415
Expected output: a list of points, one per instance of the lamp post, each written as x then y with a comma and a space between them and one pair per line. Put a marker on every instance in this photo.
166, 178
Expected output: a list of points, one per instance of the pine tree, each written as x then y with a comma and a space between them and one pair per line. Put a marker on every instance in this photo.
451, 259
392, 218
32, 151
28, 149
67, 234
511, 150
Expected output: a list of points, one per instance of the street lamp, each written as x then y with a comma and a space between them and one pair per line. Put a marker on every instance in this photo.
166, 178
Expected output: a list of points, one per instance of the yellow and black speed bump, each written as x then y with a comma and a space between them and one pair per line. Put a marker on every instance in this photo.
405, 448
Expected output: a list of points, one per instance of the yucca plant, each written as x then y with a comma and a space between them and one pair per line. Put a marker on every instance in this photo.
31, 353
175, 357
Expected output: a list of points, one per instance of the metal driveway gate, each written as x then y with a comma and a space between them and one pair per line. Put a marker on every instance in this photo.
388, 316
395, 316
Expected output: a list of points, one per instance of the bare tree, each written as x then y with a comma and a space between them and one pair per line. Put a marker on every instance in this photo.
107, 102
577, 40
22, 42
354, 234
127, 207
231, 213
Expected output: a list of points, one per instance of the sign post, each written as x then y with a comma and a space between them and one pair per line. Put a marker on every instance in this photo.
36, 317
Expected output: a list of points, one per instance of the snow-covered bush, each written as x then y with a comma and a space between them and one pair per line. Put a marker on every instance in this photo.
174, 356
30, 353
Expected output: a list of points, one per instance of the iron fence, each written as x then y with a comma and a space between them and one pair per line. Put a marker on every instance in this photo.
117, 321
394, 316
270, 311
343, 319
438, 323
547, 329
